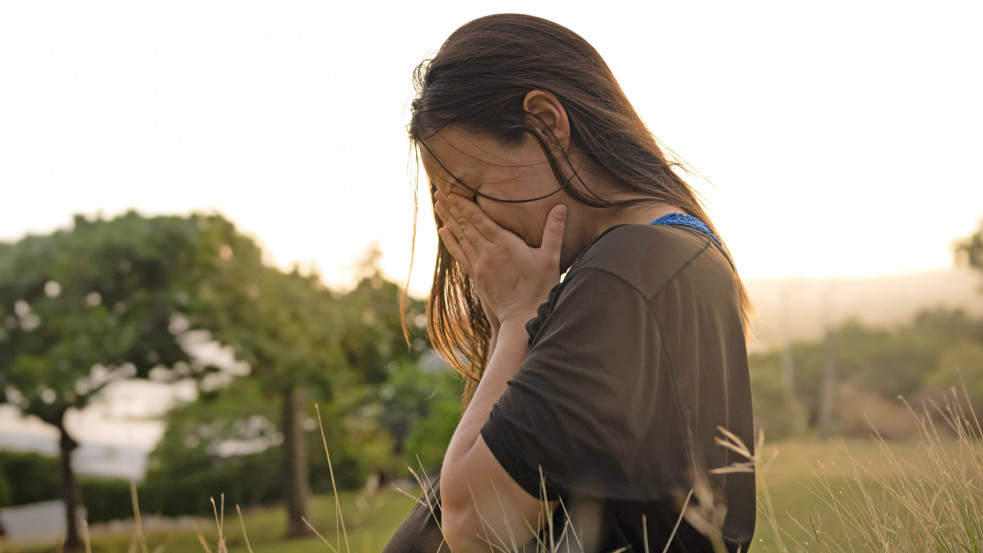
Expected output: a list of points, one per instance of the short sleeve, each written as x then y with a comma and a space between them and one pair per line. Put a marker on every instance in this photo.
593, 408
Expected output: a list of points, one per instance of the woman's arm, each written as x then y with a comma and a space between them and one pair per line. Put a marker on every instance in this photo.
481, 503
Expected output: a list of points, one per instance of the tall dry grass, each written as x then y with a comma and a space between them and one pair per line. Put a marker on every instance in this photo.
929, 499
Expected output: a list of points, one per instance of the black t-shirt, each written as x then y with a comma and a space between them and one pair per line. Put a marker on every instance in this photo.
635, 362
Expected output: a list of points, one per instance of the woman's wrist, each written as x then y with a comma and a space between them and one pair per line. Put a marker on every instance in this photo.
518, 317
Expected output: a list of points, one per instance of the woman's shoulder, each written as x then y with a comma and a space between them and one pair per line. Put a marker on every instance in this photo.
649, 257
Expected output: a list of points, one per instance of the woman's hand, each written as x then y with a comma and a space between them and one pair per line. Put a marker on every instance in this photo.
512, 278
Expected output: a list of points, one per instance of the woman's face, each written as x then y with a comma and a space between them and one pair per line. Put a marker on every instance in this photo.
496, 172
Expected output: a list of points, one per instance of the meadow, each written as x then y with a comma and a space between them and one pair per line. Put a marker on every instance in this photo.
820, 493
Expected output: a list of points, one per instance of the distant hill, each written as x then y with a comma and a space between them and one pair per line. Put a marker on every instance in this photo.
800, 309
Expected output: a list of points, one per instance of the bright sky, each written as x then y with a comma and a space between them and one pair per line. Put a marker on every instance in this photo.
843, 138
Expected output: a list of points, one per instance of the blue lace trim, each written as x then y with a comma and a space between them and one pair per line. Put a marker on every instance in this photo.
683, 220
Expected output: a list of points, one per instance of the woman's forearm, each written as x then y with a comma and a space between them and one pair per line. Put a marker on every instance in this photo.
507, 350
474, 486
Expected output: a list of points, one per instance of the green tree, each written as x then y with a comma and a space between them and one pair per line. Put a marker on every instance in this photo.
303, 341
371, 336
888, 362
960, 368
776, 410
88, 306
436, 413
234, 420
214, 444
395, 392
285, 326
348, 350
969, 250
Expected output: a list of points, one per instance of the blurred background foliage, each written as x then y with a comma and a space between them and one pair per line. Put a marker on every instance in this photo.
136, 297
919, 361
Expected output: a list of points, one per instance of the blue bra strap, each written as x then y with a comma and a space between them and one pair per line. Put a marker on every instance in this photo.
683, 220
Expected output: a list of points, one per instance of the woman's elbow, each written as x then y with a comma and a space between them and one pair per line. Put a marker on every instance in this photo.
461, 530
459, 522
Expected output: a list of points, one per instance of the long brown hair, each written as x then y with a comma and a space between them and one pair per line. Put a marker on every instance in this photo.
478, 80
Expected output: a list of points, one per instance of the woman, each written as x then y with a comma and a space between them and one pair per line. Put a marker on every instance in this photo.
592, 404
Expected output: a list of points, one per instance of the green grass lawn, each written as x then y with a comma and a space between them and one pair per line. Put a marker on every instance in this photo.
801, 479
370, 522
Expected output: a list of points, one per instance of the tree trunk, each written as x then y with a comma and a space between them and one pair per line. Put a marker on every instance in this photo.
69, 487
827, 390
298, 492
788, 367
788, 362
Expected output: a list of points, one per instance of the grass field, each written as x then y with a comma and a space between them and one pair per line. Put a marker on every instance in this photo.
802, 479
370, 522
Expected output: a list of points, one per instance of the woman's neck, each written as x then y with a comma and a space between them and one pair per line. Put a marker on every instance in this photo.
585, 223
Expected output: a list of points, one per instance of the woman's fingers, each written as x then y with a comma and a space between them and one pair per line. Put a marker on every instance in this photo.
474, 229
458, 229
454, 247
511, 277
553, 233
470, 216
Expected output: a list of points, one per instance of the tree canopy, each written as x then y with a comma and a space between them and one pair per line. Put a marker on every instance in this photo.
84, 307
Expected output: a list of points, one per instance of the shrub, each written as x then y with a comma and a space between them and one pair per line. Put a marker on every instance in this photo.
776, 410
107, 499
6, 494
31, 477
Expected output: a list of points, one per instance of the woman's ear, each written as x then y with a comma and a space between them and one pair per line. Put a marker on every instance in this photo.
545, 110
